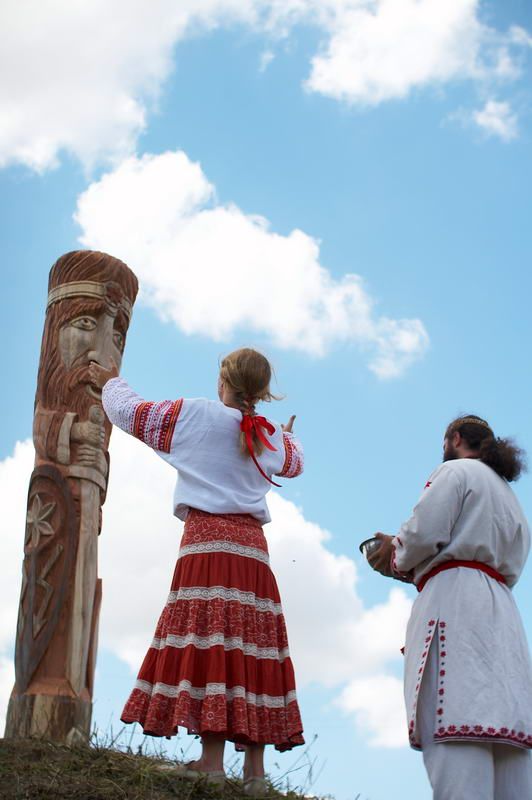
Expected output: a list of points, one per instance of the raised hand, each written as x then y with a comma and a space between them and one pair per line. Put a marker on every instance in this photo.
288, 427
99, 376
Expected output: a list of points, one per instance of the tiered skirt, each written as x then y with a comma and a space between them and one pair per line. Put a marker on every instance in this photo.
219, 662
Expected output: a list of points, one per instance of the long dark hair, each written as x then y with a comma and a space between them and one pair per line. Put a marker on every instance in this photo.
502, 455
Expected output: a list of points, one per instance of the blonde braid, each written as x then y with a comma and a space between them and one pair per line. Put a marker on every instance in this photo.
248, 373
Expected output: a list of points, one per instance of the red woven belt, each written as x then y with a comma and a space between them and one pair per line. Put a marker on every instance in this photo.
453, 564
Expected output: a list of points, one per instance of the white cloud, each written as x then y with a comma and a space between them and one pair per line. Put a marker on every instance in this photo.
497, 119
7, 681
335, 641
266, 59
83, 77
377, 703
138, 547
520, 36
329, 603
386, 49
15, 472
212, 269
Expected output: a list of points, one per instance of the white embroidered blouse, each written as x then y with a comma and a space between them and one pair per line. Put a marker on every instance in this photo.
200, 439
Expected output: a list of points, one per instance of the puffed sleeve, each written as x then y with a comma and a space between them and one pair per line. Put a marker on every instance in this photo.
293, 457
432, 521
152, 423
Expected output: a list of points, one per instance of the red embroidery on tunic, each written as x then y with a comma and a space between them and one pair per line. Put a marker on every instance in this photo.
393, 561
463, 732
440, 710
482, 733
393, 564
412, 725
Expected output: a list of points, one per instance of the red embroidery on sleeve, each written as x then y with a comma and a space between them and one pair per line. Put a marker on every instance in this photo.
154, 423
293, 461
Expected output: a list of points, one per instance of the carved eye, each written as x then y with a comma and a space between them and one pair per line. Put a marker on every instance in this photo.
84, 323
118, 339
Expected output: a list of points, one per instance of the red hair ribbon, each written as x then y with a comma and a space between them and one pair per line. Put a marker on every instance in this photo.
255, 424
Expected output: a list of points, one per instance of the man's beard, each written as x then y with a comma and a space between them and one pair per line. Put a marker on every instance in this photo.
450, 453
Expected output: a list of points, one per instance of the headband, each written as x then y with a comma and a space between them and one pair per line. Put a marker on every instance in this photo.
471, 421
111, 292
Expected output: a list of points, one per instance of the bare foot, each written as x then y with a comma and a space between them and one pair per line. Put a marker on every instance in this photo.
202, 765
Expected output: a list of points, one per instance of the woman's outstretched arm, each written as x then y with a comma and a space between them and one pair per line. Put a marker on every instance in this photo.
153, 423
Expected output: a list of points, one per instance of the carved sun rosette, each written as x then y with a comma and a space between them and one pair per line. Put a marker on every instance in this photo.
37, 523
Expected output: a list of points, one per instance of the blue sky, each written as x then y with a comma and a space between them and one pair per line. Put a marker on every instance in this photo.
407, 164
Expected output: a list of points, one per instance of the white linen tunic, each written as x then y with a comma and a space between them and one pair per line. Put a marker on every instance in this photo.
200, 438
484, 691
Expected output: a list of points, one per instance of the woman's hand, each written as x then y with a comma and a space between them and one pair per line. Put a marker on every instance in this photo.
380, 560
288, 427
99, 376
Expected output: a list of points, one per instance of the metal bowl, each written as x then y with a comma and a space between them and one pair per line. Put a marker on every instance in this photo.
369, 546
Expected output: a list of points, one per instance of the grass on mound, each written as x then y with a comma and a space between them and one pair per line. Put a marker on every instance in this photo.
34, 769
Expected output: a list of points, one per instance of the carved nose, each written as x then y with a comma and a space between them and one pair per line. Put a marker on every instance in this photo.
99, 357
102, 343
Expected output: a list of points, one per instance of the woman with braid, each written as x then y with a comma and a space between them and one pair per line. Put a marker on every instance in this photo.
219, 663
468, 676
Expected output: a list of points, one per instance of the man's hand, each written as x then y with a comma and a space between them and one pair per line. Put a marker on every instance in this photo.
89, 456
99, 376
288, 427
88, 433
380, 560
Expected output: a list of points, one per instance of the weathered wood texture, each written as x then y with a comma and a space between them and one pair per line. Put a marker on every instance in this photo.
89, 307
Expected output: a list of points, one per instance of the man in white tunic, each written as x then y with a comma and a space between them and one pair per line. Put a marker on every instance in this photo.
468, 675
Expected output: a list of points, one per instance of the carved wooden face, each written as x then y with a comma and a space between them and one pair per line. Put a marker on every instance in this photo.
78, 331
91, 336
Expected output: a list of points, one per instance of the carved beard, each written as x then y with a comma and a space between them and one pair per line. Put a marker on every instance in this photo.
62, 389
65, 389
77, 392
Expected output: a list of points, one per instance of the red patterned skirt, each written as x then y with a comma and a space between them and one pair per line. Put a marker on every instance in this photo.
219, 661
